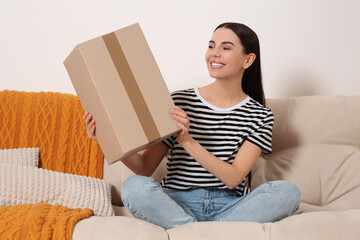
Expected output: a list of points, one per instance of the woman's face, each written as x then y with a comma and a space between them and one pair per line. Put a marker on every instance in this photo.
225, 57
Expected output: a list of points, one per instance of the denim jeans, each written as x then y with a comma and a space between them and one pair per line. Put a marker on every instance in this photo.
145, 198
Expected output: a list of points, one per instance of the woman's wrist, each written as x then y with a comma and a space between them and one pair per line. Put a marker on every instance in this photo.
188, 144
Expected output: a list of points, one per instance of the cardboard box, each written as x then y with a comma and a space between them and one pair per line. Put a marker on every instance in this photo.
118, 81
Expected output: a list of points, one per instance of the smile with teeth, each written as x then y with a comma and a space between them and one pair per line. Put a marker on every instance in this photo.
217, 65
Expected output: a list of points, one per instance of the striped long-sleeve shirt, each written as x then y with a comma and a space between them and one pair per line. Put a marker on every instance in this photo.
221, 132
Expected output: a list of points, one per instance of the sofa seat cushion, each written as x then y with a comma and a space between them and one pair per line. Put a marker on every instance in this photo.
117, 228
315, 225
327, 174
220, 230
319, 225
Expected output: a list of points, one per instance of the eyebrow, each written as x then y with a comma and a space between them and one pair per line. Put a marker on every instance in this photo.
211, 41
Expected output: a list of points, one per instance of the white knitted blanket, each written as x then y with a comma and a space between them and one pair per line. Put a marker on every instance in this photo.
25, 184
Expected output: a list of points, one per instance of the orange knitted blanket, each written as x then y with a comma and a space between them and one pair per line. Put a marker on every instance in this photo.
39, 221
53, 122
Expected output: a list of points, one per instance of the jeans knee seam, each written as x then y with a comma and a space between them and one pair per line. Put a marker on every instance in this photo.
244, 201
230, 211
194, 219
139, 215
221, 219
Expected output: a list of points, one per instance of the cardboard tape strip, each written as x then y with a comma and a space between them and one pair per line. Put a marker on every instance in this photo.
131, 87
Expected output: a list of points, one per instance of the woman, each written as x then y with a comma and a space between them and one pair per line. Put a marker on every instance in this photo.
224, 129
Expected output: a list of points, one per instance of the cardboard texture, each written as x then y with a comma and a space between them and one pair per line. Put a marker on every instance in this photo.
118, 81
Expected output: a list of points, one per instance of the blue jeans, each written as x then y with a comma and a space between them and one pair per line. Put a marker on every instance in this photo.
145, 198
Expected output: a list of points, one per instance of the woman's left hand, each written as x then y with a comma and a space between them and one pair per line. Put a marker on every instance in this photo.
184, 123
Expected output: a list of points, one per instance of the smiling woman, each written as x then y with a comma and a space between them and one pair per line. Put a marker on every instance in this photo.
226, 59
224, 129
244, 48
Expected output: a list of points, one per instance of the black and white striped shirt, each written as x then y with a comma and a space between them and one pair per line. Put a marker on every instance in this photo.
221, 132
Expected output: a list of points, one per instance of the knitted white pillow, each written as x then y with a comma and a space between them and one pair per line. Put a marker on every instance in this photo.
20, 156
24, 184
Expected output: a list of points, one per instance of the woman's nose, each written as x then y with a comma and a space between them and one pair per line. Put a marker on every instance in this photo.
216, 52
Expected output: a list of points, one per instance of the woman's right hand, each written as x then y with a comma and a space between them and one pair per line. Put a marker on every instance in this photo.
90, 125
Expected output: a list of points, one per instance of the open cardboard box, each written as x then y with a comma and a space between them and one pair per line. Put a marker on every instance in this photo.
118, 81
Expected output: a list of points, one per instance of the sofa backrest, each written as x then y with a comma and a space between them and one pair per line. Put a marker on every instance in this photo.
316, 145
315, 120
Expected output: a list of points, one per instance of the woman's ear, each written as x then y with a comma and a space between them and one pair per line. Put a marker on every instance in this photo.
250, 60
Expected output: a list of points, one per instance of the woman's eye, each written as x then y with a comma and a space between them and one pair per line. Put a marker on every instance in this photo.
225, 48
210, 46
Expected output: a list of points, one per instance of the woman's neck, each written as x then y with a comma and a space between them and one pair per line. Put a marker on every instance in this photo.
223, 94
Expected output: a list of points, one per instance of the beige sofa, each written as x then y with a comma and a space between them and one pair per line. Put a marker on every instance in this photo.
316, 145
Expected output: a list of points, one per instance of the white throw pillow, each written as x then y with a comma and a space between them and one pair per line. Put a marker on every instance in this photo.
24, 184
20, 156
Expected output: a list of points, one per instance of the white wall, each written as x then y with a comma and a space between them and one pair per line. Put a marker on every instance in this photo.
308, 47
